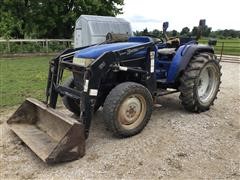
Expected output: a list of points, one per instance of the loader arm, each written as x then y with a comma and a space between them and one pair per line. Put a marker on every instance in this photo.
54, 72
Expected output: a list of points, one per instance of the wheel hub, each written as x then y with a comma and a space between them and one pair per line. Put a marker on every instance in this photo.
132, 110
203, 83
207, 83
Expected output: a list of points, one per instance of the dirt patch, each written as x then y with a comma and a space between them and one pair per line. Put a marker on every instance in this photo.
175, 144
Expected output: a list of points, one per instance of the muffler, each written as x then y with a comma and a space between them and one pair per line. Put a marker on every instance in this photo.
52, 136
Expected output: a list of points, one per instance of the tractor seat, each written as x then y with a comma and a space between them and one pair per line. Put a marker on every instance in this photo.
166, 51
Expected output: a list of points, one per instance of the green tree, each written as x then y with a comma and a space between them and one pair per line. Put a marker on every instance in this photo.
185, 31
194, 31
49, 19
206, 31
145, 32
174, 33
156, 33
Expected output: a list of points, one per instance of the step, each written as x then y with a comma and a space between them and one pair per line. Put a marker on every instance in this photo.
162, 92
161, 80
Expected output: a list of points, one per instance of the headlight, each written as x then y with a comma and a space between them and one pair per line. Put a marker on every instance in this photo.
82, 61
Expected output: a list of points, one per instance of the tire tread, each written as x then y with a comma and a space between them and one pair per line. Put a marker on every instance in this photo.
114, 99
188, 81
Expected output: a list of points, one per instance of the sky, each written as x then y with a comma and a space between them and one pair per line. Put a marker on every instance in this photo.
219, 14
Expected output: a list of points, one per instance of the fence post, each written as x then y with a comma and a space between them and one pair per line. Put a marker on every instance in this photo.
21, 46
222, 51
47, 45
8, 46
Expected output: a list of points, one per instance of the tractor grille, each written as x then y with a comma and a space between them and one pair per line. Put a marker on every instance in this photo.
78, 75
78, 80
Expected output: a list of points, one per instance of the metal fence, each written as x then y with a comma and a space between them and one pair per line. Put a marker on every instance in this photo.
226, 47
19, 46
231, 48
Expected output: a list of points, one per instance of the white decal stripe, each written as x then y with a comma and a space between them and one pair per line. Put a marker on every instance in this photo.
85, 88
93, 92
152, 56
122, 68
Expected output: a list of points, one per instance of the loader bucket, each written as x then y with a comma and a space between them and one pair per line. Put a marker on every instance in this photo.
51, 135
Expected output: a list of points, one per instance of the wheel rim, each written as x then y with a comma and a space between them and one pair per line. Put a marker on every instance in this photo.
207, 83
132, 111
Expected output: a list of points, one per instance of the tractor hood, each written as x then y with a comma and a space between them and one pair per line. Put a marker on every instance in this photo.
94, 52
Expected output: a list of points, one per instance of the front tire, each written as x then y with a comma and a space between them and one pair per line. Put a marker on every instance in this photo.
127, 109
200, 82
73, 105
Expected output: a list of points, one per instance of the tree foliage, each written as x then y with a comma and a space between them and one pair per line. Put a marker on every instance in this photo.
49, 18
194, 31
174, 33
185, 32
229, 33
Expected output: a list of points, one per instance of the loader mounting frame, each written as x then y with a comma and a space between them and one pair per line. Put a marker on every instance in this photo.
89, 78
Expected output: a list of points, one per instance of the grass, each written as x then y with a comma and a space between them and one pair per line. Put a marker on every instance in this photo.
231, 46
21, 78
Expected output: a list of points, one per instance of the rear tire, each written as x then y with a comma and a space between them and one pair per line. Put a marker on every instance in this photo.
127, 109
200, 82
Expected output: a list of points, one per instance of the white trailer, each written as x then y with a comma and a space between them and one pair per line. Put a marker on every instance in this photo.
93, 29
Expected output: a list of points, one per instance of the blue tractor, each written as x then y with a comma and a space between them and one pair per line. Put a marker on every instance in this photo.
125, 78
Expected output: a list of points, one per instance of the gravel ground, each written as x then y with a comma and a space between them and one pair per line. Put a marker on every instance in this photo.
174, 144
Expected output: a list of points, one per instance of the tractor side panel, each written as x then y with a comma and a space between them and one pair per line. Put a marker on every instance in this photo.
182, 58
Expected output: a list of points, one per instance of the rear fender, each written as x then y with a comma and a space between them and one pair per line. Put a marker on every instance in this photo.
182, 58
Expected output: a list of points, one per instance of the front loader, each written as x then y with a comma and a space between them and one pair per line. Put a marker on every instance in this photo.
123, 77
53, 136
